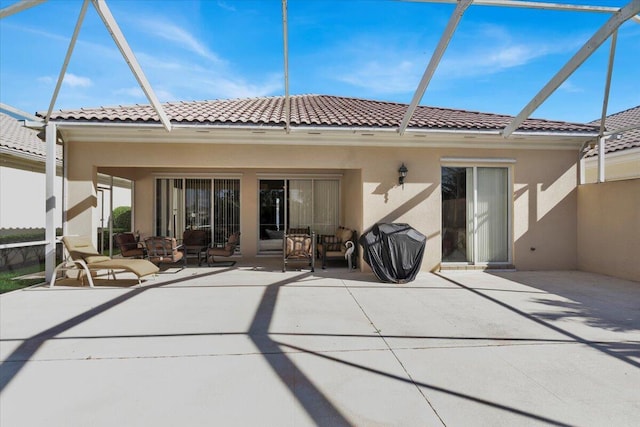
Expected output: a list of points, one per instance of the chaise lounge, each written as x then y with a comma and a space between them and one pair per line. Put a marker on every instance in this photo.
84, 258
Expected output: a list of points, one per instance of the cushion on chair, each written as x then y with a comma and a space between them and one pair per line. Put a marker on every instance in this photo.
92, 259
344, 234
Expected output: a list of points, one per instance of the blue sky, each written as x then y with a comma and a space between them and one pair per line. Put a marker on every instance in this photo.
498, 59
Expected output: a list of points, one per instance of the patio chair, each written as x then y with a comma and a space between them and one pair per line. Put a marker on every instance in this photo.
87, 261
195, 243
228, 250
129, 246
340, 246
299, 247
164, 250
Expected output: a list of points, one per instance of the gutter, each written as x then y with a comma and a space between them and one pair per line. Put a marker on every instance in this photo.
205, 128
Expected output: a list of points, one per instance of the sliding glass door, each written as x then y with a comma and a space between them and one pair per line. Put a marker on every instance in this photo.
197, 204
311, 203
475, 215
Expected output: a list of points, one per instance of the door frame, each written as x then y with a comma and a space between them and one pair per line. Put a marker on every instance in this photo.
505, 163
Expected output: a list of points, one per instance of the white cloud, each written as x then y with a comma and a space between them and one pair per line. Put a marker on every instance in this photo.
570, 87
384, 78
164, 29
47, 80
131, 92
226, 6
76, 81
399, 66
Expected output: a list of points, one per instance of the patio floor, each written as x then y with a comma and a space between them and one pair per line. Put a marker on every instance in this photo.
243, 346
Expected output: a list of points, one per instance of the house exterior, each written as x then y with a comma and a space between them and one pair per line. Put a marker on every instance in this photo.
622, 151
22, 179
261, 165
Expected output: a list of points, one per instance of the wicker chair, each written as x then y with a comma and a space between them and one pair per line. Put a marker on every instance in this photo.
129, 246
299, 247
195, 243
164, 250
228, 250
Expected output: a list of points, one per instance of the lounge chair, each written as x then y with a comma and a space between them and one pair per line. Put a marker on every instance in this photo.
84, 258
228, 250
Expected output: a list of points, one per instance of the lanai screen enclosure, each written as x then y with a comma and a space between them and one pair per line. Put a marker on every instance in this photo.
482, 181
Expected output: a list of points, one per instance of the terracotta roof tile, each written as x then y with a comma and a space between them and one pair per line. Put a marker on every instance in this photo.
313, 110
621, 120
19, 139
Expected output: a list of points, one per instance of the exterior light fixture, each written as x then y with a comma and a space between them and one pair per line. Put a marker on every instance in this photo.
403, 174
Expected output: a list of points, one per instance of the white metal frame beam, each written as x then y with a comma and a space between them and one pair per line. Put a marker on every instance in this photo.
127, 53
599, 37
19, 7
285, 35
65, 64
537, 5
454, 20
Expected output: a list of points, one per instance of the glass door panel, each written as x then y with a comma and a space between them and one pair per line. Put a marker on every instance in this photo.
492, 210
475, 212
170, 212
198, 204
226, 205
272, 214
326, 206
300, 208
457, 218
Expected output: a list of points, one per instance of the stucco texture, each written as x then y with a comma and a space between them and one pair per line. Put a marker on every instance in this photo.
609, 228
543, 223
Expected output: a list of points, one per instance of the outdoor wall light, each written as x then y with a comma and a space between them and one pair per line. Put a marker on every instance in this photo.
403, 174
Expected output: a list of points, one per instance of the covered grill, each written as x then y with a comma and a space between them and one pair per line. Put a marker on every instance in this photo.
394, 251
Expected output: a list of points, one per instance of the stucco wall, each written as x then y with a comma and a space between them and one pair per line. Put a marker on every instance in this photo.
21, 208
544, 188
609, 228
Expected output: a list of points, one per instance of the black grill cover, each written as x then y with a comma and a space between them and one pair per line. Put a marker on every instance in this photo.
394, 251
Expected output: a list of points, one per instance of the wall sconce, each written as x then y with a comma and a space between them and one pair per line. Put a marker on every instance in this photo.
403, 174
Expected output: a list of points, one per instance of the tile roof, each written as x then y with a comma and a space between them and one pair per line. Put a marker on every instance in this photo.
19, 139
313, 110
621, 120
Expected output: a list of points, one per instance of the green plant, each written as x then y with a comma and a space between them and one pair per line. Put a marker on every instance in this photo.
122, 217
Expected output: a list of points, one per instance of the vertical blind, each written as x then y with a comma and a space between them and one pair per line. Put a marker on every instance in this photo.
183, 204
226, 205
492, 210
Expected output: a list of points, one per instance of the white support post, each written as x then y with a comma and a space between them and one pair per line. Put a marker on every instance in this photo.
601, 146
612, 24
50, 197
434, 61
287, 100
111, 216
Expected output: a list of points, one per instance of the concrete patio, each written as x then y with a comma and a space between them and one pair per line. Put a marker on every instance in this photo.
243, 346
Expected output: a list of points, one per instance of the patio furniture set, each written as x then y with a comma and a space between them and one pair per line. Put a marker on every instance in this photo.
144, 258
167, 250
300, 244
